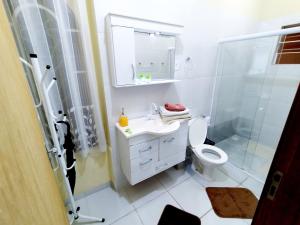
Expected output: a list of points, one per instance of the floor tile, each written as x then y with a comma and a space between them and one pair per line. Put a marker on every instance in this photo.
83, 204
254, 185
130, 219
151, 212
212, 219
234, 172
248, 221
172, 177
109, 204
219, 180
144, 192
235, 147
192, 197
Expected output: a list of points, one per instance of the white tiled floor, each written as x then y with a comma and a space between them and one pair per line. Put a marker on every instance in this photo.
106, 203
192, 197
151, 212
184, 189
254, 157
254, 185
212, 219
144, 192
130, 219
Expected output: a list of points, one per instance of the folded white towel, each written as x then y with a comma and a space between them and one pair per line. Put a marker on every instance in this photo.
165, 112
173, 118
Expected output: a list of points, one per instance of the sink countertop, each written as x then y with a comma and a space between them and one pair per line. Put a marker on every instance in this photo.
145, 125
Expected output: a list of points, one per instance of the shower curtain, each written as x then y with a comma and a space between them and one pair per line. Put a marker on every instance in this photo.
51, 29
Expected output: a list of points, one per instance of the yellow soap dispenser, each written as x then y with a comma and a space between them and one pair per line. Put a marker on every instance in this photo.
123, 120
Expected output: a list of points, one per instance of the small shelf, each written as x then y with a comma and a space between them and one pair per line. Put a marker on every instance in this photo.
137, 84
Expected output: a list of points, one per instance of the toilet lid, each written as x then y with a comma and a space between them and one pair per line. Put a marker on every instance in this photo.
197, 132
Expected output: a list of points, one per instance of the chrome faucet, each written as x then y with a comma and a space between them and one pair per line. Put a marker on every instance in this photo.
153, 111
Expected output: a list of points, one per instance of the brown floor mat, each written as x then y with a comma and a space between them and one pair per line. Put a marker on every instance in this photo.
232, 202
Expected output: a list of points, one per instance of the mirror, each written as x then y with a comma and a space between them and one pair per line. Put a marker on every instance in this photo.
154, 56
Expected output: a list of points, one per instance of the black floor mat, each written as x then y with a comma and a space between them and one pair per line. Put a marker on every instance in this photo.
173, 216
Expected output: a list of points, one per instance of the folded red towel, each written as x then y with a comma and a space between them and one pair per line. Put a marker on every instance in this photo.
174, 107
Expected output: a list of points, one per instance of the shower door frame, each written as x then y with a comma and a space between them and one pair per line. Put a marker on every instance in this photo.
253, 36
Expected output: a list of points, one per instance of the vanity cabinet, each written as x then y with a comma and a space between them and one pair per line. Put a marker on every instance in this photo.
145, 155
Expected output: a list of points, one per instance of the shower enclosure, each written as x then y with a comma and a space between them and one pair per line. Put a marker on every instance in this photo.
252, 97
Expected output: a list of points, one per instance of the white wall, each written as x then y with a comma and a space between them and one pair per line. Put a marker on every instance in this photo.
205, 22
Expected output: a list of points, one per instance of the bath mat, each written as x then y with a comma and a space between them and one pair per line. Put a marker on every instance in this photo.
232, 202
174, 216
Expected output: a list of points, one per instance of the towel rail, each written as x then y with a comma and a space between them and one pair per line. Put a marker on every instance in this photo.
44, 91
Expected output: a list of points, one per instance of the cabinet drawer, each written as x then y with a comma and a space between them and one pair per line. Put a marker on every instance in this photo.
139, 176
141, 169
144, 150
138, 165
172, 144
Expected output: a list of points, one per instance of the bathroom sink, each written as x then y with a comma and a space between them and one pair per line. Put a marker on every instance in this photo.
145, 125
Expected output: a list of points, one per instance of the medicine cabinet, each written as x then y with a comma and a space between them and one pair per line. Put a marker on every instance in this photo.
141, 52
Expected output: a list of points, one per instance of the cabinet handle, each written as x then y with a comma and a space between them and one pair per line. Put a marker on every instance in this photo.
146, 162
133, 71
145, 150
169, 140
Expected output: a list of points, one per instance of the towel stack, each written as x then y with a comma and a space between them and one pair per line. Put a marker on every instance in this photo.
172, 112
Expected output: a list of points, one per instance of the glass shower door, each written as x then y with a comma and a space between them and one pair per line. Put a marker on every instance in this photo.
243, 85
278, 92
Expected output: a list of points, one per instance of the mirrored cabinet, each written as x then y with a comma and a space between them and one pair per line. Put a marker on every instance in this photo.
141, 52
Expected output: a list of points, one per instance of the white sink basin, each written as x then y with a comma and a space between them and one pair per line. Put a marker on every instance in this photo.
146, 126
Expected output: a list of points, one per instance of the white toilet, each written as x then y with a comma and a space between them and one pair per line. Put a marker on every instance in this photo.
210, 157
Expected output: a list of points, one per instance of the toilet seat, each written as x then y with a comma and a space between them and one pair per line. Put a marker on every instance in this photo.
203, 152
202, 149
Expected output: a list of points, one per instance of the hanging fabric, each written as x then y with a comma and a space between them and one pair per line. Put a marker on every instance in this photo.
51, 30
69, 147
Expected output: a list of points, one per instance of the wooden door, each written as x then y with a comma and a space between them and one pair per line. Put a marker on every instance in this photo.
280, 201
29, 194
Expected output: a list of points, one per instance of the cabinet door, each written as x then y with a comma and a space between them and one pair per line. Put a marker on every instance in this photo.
172, 144
124, 57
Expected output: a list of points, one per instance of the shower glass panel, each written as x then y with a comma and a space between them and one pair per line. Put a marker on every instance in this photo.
252, 98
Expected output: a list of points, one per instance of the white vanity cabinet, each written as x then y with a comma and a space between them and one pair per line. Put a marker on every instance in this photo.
145, 155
